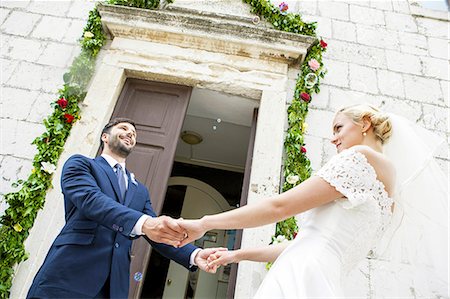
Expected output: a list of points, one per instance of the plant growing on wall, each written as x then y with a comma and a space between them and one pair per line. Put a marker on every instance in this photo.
24, 204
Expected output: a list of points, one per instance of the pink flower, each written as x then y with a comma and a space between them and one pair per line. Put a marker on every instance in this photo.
313, 64
305, 97
283, 7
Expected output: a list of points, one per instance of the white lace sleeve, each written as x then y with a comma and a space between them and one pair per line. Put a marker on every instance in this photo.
351, 175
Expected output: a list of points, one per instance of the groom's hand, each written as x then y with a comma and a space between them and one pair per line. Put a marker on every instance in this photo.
164, 229
201, 259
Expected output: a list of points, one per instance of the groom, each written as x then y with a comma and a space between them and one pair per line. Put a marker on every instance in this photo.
105, 208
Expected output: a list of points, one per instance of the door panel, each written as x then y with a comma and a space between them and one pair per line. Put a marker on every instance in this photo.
158, 110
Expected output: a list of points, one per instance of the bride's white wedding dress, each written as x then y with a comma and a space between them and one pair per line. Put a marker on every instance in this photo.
336, 236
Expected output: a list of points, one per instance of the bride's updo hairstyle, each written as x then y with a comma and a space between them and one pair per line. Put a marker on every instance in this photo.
381, 124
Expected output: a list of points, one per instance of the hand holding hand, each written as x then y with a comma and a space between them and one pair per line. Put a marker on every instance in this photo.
222, 258
164, 229
201, 259
194, 229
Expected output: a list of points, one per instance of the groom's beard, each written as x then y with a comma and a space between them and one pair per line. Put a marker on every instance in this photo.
118, 147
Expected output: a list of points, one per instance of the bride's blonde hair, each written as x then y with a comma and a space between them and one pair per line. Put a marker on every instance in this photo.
381, 124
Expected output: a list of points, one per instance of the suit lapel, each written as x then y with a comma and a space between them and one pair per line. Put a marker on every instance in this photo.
132, 186
110, 174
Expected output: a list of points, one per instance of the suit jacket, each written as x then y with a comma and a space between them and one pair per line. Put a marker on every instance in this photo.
95, 242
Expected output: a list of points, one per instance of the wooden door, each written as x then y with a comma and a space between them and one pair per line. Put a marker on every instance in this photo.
158, 110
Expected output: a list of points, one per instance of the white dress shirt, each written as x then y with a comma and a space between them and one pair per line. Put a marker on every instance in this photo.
137, 229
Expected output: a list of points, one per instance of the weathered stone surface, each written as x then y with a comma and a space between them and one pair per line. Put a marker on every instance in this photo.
405, 63
344, 31
425, 90
363, 78
368, 16
17, 103
52, 28
439, 47
390, 83
334, 10
400, 22
377, 37
337, 73
20, 23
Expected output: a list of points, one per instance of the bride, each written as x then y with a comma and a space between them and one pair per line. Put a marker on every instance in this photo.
367, 198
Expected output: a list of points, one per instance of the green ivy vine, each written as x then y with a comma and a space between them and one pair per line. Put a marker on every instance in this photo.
297, 167
24, 204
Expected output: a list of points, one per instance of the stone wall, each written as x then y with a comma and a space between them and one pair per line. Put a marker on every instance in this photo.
38, 44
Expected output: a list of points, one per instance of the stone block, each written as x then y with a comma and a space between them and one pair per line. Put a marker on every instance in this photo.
365, 15
80, 9
319, 123
13, 169
400, 22
439, 47
323, 25
433, 28
340, 98
20, 23
17, 102
4, 45
413, 43
435, 68
423, 89
75, 32
14, 3
390, 83
25, 49
321, 99
409, 109
4, 12
53, 28
445, 87
41, 107
17, 137
337, 73
401, 6
435, 118
381, 5
305, 7
404, 63
377, 37
359, 54
363, 78
8, 67
55, 8
37, 77
344, 31
333, 10
57, 54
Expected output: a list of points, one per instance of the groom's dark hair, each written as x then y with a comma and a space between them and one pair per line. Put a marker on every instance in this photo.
112, 123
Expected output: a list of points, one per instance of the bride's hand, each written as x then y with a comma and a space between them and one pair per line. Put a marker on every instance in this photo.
194, 229
222, 258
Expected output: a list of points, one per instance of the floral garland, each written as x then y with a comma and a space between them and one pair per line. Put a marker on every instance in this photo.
24, 204
296, 164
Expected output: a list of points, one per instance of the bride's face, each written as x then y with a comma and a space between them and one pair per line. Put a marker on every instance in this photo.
346, 133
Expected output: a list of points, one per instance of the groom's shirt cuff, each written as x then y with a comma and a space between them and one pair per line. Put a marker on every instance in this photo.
192, 258
137, 229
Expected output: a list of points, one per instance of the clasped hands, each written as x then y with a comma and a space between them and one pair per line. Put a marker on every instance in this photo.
179, 232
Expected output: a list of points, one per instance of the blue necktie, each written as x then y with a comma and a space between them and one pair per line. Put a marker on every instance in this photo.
121, 179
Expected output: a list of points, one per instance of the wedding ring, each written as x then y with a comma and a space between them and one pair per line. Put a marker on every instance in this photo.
185, 235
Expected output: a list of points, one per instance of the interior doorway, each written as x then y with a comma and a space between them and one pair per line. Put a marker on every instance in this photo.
215, 159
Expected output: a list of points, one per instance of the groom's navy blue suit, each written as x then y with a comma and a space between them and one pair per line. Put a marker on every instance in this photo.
94, 244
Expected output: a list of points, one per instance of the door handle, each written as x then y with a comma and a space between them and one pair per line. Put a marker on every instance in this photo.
169, 282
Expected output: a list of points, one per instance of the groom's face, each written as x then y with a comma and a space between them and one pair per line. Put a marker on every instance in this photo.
121, 139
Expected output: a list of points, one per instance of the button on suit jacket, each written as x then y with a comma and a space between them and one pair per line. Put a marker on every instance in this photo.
95, 242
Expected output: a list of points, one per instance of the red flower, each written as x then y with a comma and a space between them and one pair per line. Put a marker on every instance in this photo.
69, 118
295, 234
305, 97
323, 44
62, 102
303, 149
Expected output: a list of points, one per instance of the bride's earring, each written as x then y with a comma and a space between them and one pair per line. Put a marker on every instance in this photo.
364, 134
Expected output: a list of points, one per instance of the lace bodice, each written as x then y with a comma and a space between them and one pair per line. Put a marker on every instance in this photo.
364, 196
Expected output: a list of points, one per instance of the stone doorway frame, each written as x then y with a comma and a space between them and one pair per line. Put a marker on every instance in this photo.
206, 50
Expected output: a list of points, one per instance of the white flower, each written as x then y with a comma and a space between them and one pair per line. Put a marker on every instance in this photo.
133, 178
48, 167
292, 179
88, 34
